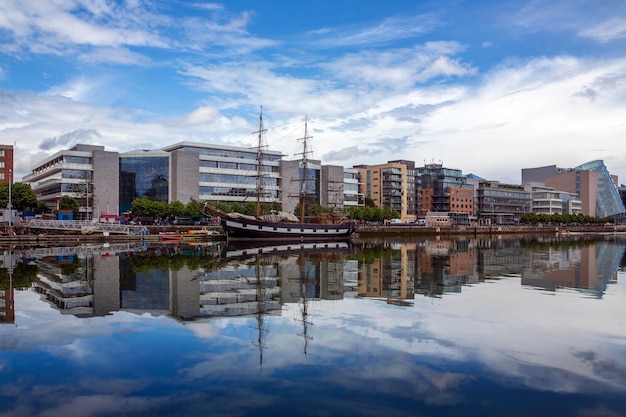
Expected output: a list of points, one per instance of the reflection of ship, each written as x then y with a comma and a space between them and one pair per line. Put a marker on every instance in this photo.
307, 271
280, 225
247, 249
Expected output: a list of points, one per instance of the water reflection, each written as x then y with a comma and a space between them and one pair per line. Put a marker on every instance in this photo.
441, 327
191, 282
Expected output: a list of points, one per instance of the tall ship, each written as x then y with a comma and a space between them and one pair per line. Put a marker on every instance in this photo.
281, 225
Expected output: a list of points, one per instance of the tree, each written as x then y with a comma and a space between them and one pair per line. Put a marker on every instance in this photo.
176, 209
22, 196
69, 203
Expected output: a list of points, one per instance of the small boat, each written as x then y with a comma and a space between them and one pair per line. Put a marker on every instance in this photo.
241, 227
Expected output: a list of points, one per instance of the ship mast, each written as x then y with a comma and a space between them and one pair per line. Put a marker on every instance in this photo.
304, 162
259, 159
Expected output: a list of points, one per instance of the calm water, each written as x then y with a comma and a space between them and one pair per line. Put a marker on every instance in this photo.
502, 327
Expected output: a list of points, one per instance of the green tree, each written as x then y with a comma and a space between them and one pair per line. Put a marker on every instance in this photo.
69, 203
22, 196
193, 209
176, 208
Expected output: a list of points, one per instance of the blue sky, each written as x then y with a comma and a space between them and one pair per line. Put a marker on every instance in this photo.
488, 87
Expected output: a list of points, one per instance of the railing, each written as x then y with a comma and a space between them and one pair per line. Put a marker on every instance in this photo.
113, 248
87, 227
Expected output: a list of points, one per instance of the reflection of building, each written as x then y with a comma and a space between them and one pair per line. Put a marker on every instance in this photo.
589, 268
389, 277
495, 258
66, 282
83, 280
444, 267
7, 301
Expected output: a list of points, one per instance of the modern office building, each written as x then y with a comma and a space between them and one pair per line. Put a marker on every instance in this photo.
141, 174
86, 173
392, 185
107, 182
443, 190
503, 204
546, 200
351, 182
591, 181
220, 173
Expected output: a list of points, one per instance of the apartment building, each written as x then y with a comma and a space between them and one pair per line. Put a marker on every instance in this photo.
392, 185
6, 164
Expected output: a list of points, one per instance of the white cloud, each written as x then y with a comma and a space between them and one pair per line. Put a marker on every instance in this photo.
387, 30
607, 30
202, 116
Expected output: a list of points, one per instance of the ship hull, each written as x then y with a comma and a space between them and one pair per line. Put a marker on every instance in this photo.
243, 228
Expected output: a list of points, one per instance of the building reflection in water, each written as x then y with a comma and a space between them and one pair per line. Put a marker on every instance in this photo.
197, 282
8, 263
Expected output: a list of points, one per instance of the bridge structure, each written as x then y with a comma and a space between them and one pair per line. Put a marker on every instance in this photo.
88, 227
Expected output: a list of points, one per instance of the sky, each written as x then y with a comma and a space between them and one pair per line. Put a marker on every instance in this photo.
487, 87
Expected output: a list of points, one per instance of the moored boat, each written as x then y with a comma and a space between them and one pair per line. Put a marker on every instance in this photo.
289, 227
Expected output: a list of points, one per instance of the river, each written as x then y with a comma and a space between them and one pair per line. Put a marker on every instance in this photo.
523, 326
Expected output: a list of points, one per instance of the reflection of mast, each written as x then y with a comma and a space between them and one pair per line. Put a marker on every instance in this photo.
260, 320
304, 307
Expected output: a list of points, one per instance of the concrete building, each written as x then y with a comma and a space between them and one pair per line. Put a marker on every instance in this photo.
591, 181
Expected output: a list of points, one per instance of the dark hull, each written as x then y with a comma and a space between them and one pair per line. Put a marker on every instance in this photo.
243, 228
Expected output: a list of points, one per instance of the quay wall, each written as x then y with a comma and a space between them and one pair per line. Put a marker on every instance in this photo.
21, 237
411, 230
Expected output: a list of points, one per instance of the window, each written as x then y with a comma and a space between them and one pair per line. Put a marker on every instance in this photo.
2, 155
1, 164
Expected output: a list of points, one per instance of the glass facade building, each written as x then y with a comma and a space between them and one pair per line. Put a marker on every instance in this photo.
143, 176
608, 200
